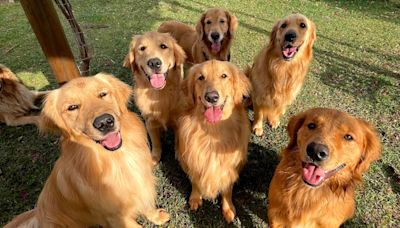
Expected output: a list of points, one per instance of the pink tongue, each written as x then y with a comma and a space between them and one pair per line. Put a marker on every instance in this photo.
213, 114
216, 47
112, 140
289, 52
313, 174
157, 81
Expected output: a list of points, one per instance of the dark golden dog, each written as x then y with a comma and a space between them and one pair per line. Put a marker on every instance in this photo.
156, 61
213, 133
16, 101
104, 174
278, 72
211, 39
314, 184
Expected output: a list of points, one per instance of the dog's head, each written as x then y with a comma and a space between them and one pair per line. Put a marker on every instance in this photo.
215, 27
214, 88
293, 36
89, 108
152, 54
332, 145
7, 77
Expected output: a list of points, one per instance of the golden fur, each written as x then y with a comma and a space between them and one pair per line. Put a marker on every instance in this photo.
212, 155
292, 202
16, 101
159, 107
89, 184
197, 42
276, 81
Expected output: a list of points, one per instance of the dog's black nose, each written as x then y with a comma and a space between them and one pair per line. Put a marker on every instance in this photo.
290, 36
212, 97
317, 152
104, 123
154, 63
215, 36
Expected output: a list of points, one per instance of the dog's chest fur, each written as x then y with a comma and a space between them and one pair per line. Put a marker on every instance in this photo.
212, 156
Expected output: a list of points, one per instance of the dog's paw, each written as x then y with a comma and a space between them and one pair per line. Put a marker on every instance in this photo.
162, 217
156, 157
229, 214
195, 203
274, 123
258, 131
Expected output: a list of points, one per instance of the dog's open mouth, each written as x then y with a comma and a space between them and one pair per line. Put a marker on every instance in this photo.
112, 141
313, 175
157, 80
216, 46
213, 113
289, 51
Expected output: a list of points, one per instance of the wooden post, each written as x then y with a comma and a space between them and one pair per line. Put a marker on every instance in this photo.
48, 30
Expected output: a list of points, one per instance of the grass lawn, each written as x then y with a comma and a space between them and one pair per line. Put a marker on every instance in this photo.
356, 68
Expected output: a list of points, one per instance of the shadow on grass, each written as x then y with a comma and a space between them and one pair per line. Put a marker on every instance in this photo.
388, 10
249, 193
356, 77
394, 177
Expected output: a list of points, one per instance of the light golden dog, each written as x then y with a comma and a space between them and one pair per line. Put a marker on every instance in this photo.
156, 61
211, 39
213, 133
16, 101
104, 174
278, 72
314, 184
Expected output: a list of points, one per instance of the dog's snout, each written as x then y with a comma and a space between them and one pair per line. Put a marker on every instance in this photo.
215, 36
104, 123
317, 152
154, 63
212, 97
290, 36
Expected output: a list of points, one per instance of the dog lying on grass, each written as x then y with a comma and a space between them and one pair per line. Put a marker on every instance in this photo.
104, 174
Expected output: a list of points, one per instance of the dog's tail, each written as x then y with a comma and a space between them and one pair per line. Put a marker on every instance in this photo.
24, 220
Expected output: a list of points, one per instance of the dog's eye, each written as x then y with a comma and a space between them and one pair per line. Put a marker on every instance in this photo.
224, 76
311, 126
284, 25
201, 78
222, 21
163, 46
142, 48
208, 22
102, 94
73, 107
302, 25
348, 137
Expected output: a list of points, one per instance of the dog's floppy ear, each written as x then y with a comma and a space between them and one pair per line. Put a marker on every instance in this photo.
200, 26
129, 61
188, 87
50, 119
179, 53
242, 86
313, 32
272, 35
121, 91
233, 23
371, 149
293, 127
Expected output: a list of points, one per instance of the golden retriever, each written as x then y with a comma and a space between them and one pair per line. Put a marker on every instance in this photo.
314, 183
278, 72
213, 132
157, 62
104, 174
211, 39
16, 101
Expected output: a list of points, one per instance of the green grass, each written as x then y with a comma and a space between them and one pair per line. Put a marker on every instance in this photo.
356, 69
